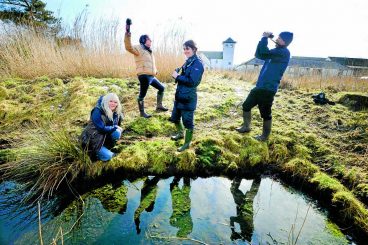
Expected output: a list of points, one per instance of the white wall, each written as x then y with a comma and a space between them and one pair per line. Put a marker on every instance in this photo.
228, 55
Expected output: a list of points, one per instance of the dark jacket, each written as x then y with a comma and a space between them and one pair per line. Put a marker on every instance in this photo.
99, 128
276, 61
188, 80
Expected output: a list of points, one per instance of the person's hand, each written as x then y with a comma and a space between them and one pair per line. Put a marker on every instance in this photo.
128, 23
175, 74
267, 34
120, 128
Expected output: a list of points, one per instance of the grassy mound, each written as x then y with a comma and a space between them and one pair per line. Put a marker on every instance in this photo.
324, 146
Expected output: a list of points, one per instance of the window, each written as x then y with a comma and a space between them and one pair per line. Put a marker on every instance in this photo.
230, 45
229, 63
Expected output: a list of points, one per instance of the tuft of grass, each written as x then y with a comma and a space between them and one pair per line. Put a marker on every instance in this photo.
44, 160
300, 167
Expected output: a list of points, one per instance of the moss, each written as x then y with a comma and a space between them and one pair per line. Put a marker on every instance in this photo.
161, 154
354, 176
26, 99
232, 142
300, 168
253, 153
208, 151
326, 182
3, 93
151, 127
134, 157
278, 153
362, 190
187, 161
302, 152
112, 199
353, 208
334, 230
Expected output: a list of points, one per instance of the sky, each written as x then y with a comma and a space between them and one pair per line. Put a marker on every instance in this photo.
321, 28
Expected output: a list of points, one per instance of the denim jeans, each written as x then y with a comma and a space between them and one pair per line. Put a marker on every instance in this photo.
105, 154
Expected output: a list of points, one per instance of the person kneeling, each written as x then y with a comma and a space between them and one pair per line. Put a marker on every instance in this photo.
103, 129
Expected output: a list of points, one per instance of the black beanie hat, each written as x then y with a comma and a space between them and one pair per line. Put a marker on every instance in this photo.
143, 39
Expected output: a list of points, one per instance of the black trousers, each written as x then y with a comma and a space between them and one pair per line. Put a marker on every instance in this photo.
145, 81
263, 98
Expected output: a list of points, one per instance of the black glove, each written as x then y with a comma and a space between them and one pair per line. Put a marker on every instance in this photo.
128, 23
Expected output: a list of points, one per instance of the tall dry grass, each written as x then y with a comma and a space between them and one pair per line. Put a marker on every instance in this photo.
308, 82
88, 48
334, 83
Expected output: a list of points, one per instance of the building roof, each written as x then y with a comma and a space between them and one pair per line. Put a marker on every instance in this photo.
213, 55
350, 62
229, 40
307, 62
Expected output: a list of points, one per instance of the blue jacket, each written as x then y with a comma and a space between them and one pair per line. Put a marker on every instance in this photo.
94, 135
188, 80
96, 115
276, 61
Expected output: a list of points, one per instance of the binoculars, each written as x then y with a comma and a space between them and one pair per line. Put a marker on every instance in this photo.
271, 36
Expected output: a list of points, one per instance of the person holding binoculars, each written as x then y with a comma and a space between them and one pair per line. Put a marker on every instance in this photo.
146, 69
187, 78
275, 63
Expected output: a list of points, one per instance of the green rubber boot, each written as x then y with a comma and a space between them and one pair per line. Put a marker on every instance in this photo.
180, 132
187, 140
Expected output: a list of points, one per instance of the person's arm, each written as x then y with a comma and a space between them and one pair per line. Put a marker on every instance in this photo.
128, 44
99, 124
264, 53
194, 77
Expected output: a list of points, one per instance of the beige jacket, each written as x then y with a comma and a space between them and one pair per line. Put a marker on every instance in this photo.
144, 60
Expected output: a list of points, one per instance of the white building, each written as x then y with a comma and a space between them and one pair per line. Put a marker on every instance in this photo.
220, 60
304, 66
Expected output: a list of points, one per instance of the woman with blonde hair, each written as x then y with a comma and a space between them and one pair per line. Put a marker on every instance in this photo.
103, 129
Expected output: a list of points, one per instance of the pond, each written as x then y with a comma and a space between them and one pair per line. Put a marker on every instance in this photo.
151, 210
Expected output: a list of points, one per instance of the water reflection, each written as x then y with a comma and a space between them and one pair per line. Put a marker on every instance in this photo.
244, 210
181, 202
148, 197
183, 210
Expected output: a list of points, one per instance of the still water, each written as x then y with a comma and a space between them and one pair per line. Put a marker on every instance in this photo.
212, 210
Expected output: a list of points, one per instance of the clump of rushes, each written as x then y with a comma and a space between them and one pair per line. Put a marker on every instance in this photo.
43, 161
